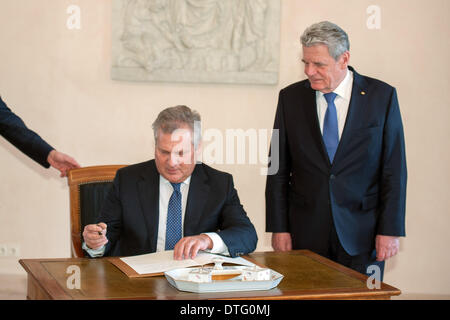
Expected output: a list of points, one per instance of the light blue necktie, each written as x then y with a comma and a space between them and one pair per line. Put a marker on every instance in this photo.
330, 126
173, 225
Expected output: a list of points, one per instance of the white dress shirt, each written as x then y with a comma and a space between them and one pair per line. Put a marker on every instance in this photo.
342, 102
165, 192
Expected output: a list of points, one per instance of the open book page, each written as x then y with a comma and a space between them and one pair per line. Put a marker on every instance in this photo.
163, 261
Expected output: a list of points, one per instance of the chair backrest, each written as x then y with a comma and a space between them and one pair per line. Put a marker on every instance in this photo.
88, 187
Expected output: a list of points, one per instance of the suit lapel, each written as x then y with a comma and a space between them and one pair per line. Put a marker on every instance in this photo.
148, 188
313, 121
199, 192
357, 102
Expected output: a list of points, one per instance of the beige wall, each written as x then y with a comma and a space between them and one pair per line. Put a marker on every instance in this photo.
58, 81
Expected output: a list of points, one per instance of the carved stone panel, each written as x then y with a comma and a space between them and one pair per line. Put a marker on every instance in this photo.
220, 41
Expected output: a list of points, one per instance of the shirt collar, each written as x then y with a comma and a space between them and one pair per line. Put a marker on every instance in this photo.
165, 181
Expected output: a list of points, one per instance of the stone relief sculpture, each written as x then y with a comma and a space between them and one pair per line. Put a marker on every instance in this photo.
229, 41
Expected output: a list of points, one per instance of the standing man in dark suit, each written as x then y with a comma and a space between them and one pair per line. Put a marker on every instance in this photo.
340, 190
13, 129
172, 203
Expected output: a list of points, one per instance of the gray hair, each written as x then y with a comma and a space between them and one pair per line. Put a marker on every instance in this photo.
173, 118
329, 34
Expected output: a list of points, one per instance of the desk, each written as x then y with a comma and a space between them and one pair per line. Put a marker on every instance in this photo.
306, 276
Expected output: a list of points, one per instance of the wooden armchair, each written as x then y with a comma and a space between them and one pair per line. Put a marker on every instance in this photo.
88, 187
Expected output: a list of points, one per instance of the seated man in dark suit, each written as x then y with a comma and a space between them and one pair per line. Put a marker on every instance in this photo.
171, 202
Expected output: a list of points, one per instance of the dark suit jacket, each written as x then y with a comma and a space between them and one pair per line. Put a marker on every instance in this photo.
363, 192
131, 211
13, 129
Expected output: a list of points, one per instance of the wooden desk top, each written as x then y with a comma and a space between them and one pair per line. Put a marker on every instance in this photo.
306, 276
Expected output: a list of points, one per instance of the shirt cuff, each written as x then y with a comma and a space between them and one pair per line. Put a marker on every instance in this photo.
94, 253
218, 245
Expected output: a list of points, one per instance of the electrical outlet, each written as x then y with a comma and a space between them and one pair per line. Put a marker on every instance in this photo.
9, 250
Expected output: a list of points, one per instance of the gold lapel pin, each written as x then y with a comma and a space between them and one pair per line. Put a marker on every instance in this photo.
363, 92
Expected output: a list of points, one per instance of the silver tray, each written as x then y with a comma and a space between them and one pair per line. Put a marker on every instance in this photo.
178, 279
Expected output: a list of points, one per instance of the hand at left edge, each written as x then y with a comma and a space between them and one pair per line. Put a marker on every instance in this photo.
62, 162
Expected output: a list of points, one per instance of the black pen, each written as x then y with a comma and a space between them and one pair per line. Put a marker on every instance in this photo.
100, 233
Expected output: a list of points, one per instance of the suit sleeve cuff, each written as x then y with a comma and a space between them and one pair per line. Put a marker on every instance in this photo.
94, 253
218, 245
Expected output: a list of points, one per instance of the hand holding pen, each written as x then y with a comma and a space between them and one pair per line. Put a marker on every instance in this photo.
95, 235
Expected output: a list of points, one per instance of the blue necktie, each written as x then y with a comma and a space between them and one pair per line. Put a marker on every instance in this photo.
173, 226
330, 126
